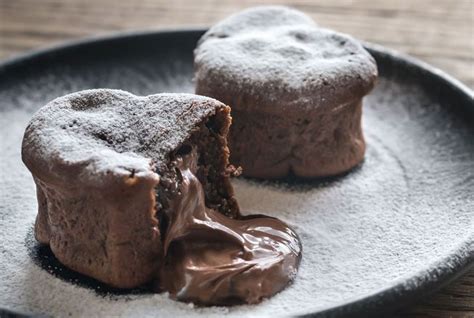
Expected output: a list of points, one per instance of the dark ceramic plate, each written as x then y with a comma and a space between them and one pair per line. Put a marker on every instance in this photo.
396, 228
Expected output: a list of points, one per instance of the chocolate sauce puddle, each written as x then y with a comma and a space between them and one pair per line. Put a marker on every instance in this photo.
211, 259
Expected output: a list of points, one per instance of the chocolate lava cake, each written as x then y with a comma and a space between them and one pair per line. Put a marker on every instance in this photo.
295, 90
134, 190
103, 164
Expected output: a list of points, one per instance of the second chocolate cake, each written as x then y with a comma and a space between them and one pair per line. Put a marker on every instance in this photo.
295, 91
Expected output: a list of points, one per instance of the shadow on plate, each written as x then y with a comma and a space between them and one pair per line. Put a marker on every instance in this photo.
301, 184
42, 256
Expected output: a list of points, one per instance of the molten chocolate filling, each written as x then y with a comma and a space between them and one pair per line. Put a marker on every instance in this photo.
211, 259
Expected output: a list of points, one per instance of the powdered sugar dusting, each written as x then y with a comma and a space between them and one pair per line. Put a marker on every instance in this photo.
380, 225
98, 132
261, 17
272, 52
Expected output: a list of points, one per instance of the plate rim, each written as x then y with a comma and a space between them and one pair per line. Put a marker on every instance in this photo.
387, 299
11, 61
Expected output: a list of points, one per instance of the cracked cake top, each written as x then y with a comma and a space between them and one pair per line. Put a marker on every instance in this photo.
278, 54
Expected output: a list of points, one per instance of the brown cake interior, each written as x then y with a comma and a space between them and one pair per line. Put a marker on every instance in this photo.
214, 171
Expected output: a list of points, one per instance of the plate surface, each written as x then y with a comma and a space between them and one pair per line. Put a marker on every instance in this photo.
397, 227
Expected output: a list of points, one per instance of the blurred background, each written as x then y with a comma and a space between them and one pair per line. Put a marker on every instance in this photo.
438, 32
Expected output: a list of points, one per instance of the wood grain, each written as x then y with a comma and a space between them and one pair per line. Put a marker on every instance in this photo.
436, 31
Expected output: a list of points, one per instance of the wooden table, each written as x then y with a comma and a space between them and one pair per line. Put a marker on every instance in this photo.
438, 32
